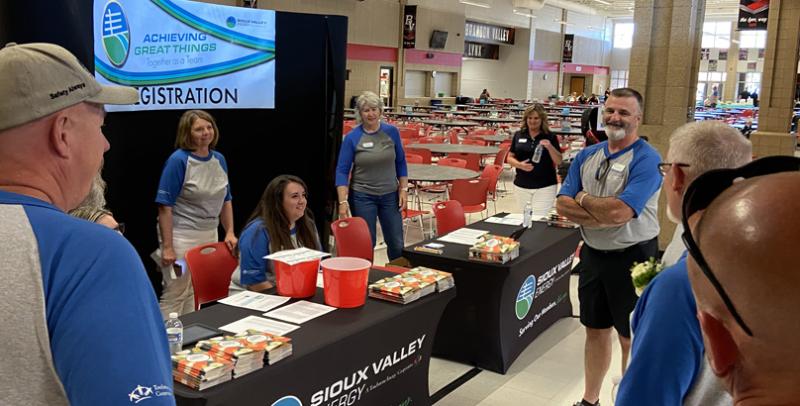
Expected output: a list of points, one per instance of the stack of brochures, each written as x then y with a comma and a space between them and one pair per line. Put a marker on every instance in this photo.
233, 349
274, 346
411, 285
494, 248
200, 370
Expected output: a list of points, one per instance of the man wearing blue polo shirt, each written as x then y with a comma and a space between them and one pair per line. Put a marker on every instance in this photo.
81, 322
612, 192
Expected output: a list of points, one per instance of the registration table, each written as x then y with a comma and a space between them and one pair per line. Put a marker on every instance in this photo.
501, 308
456, 148
377, 354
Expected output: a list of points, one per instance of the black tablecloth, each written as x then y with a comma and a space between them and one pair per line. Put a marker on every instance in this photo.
492, 320
379, 353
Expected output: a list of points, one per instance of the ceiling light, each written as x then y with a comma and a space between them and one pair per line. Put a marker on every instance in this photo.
523, 13
475, 3
603, 2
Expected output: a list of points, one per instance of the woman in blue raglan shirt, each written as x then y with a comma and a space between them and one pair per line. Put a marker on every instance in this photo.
193, 197
280, 221
371, 176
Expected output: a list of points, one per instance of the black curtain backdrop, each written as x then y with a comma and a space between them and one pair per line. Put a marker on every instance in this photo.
301, 136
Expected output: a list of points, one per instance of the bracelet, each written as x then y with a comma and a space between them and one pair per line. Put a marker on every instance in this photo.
580, 201
344, 202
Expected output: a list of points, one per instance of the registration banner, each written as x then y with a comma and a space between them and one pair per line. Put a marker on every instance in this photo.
410, 27
753, 14
184, 54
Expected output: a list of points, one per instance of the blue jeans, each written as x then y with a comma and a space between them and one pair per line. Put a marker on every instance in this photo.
387, 209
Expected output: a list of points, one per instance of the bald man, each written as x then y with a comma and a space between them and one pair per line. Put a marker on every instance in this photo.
748, 236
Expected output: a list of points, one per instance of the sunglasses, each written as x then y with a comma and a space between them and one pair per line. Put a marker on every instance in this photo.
664, 167
704, 190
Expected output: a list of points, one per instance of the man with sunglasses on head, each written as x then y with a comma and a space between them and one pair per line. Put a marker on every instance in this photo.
611, 190
667, 363
742, 234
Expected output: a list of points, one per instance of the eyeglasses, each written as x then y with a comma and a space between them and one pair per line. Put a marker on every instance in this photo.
120, 228
664, 167
704, 190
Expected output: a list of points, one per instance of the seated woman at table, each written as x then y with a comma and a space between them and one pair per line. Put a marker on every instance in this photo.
593, 99
535, 182
371, 175
280, 221
485, 95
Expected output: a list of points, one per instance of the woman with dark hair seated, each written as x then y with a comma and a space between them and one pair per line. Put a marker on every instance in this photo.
280, 221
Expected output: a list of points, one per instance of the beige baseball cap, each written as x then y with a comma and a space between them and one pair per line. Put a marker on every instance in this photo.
39, 79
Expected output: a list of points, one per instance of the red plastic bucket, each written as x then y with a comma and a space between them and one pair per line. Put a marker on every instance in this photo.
345, 281
299, 280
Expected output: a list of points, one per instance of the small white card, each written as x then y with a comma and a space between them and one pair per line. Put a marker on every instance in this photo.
464, 236
505, 220
254, 300
300, 312
260, 324
297, 255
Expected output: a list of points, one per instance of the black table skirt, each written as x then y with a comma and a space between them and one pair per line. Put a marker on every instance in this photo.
492, 319
377, 354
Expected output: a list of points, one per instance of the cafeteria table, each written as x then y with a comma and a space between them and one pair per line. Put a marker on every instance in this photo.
501, 308
561, 131
451, 123
456, 148
494, 120
406, 114
377, 354
493, 138
438, 173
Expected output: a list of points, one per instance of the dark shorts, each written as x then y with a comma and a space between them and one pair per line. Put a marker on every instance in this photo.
605, 288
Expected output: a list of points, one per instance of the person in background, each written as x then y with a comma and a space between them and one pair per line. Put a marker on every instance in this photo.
193, 197
754, 96
593, 99
93, 207
280, 221
714, 96
81, 324
582, 99
484, 95
606, 94
665, 328
535, 182
371, 175
747, 302
612, 192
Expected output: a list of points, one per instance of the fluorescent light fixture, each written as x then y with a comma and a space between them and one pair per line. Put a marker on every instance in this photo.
524, 14
475, 3
603, 2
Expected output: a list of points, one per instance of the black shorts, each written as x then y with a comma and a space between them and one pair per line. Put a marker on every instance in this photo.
605, 287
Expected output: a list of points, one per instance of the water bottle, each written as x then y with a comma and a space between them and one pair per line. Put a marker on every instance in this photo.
174, 333
537, 154
527, 214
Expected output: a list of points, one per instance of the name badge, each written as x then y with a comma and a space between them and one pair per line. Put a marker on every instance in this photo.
618, 167
367, 144
522, 140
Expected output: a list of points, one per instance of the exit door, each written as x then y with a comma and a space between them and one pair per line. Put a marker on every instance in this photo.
385, 85
576, 84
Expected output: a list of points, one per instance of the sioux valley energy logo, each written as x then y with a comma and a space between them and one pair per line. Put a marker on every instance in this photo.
116, 34
525, 297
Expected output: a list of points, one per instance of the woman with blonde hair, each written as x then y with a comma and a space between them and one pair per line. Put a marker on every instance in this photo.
193, 198
535, 181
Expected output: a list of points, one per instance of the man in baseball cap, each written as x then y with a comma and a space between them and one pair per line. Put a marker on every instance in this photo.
82, 323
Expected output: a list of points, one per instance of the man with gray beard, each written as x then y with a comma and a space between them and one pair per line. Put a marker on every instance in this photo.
612, 192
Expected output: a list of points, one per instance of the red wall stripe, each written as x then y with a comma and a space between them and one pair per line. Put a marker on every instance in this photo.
371, 53
419, 56
544, 66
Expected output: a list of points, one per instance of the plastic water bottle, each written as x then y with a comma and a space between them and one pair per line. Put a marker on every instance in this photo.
537, 154
527, 215
174, 333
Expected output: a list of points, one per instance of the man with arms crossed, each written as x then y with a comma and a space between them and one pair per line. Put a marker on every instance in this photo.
612, 192
82, 324
667, 362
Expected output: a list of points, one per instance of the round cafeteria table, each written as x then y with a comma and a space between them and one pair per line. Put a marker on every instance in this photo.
456, 148
438, 173
455, 123
493, 138
495, 120
404, 114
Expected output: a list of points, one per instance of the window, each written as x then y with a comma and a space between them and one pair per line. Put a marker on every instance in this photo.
752, 81
706, 82
716, 34
623, 35
752, 39
619, 78
415, 83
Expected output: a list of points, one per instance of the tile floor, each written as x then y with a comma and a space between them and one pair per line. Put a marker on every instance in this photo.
548, 372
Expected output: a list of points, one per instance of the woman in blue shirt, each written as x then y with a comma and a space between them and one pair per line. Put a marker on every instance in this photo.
371, 176
280, 221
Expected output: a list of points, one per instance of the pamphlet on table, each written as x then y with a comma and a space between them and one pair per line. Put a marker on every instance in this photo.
254, 301
463, 236
300, 312
297, 255
260, 324
411, 285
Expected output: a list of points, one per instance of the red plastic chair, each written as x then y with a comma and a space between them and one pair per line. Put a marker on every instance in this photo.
454, 162
473, 160
424, 153
492, 174
211, 267
353, 240
453, 134
473, 141
471, 193
412, 133
433, 139
414, 159
449, 216
411, 214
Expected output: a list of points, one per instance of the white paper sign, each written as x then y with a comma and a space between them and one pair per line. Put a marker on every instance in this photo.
300, 312
254, 300
296, 256
464, 236
260, 324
